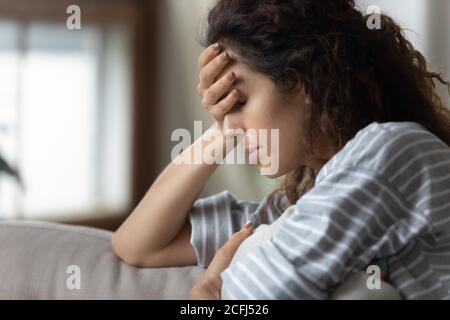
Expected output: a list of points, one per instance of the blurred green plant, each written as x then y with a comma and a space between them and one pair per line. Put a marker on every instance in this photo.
7, 169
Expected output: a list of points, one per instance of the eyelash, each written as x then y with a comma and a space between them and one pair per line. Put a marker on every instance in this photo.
240, 104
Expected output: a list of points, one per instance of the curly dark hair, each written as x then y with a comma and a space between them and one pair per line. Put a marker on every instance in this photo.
353, 75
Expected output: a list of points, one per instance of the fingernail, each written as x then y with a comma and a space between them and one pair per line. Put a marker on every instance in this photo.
224, 56
248, 225
232, 76
216, 46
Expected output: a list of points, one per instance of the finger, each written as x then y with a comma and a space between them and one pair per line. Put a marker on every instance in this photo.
236, 240
223, 257
212, 70
218, 89
219, 110
208, 54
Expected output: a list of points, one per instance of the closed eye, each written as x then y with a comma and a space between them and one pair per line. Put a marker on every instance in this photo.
239, 105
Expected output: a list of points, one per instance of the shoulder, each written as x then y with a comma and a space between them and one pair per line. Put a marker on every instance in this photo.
390, 149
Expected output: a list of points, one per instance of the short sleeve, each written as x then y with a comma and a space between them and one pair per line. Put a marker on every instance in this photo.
215, 218
349, 218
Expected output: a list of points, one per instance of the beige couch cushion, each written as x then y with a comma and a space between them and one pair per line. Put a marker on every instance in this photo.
34, 259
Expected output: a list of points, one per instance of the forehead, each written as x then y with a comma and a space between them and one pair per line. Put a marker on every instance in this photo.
247, 77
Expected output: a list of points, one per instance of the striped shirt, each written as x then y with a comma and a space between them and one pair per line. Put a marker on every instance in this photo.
385, 194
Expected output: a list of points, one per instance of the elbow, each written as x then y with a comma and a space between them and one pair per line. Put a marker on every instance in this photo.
130, 256
123, 252
118, 248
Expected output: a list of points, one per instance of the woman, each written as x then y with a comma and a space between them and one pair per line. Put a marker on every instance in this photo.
364, 145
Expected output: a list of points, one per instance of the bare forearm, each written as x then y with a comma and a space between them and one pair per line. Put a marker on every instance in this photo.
157, 232
162, 213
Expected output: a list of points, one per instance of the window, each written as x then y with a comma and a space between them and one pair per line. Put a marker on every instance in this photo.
65, 119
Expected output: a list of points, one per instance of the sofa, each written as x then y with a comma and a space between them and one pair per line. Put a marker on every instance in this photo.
40, 260
54, 261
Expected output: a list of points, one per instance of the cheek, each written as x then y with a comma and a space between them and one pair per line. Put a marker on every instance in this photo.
232, 122
259, 116
293, 151
290, 150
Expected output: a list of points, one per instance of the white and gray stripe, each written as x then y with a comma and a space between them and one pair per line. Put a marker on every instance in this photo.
385, 194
